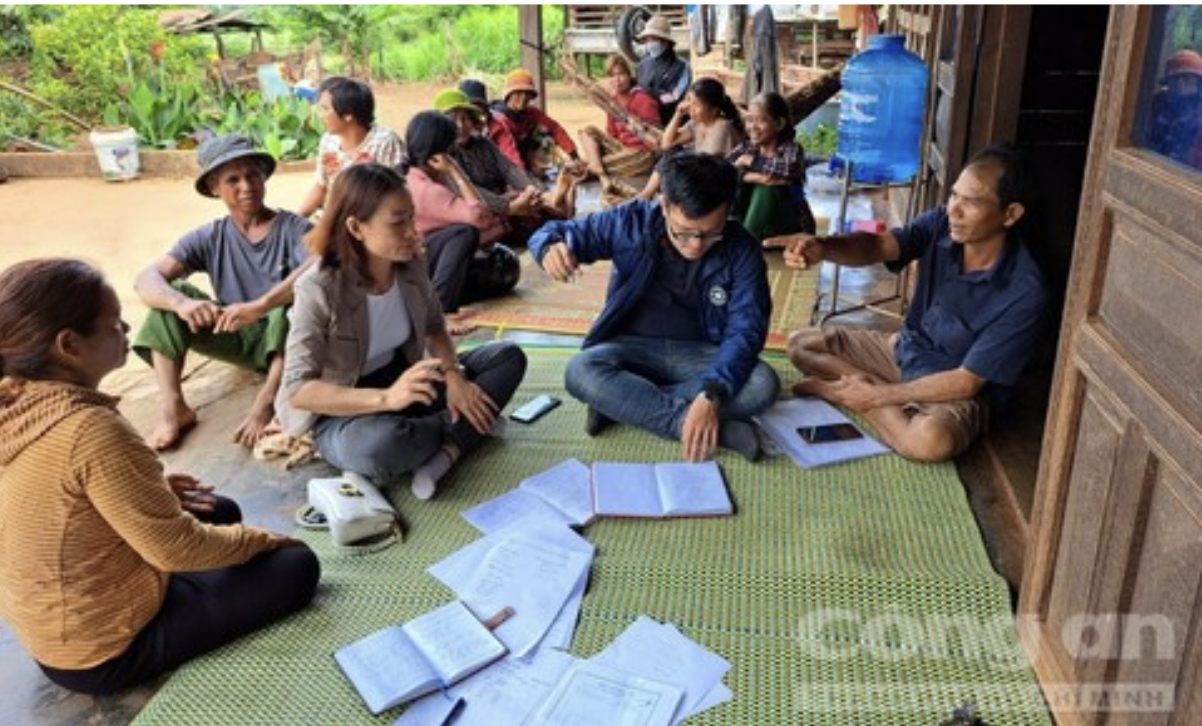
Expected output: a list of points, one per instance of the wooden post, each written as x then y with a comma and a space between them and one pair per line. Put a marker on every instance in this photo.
530, 20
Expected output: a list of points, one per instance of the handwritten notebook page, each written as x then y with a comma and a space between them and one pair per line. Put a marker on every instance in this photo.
693, 489
454, 641
565, 486
386, 668
626, 490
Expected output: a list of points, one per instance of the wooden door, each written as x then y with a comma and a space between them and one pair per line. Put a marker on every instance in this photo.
1111, 602
977, 55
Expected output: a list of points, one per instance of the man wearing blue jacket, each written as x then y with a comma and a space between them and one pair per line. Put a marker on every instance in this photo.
676, 349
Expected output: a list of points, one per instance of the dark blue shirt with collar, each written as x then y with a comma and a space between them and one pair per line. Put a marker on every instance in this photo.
986, 321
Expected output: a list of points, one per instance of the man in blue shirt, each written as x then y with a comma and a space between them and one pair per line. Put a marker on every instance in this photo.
675, 350
971, 327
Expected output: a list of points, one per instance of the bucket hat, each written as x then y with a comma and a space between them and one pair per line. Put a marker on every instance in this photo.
453, 99
216, 152
476, 92
657, 26
1183, 62
519, 80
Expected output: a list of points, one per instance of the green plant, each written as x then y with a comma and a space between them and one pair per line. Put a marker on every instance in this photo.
820, 143
15, 41
287, 128
161, 117
87, 57
19, 118
481, 39
356, 31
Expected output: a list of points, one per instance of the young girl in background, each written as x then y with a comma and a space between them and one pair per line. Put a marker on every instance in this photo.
771, 166
714, 126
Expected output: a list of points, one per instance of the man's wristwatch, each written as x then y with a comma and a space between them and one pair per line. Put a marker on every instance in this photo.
713, 394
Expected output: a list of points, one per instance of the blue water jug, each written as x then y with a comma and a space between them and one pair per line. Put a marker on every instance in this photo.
881, 113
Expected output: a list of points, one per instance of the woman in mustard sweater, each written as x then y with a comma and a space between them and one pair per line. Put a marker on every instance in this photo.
111, 572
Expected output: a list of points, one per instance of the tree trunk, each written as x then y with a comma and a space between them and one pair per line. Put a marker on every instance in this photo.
805, 100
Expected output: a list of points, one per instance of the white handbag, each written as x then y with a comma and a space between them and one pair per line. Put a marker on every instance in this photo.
358, 516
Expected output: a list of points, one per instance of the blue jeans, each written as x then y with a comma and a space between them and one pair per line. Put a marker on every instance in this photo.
650, 383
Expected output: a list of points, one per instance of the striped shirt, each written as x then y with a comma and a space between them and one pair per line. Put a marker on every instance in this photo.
91, 529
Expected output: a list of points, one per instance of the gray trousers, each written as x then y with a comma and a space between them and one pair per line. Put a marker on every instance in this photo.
384, 446
449, 251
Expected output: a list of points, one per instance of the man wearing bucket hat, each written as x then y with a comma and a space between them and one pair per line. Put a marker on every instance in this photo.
1177, 109
522, 131
661, 72
503, 186
251, 256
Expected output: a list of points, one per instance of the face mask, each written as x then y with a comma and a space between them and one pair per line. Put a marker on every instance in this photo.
655, 48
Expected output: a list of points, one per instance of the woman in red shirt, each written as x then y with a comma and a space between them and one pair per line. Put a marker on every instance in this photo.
620, 151
523, 131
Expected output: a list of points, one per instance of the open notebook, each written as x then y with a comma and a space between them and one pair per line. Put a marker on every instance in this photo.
668, 489
433, 651
558, 494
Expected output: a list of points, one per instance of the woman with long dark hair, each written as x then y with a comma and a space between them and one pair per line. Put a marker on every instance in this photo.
707, 120
114, 573
453, 218
370, 368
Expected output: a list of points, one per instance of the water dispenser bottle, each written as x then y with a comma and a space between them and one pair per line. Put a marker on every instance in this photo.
881, 114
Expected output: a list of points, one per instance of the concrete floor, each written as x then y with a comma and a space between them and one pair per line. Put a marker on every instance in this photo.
267, 494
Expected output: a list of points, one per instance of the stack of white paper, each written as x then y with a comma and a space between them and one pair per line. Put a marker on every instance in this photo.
659, 652
505, 694
534, 566
783, 419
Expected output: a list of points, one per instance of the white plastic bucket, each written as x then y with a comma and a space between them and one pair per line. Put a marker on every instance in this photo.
116, 152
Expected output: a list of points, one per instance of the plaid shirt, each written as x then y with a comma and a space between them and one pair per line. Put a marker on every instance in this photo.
785, 163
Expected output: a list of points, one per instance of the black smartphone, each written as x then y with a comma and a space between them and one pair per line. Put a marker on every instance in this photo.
829, 433
534, 409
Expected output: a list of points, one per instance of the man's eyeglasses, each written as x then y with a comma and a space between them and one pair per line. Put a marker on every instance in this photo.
682, 237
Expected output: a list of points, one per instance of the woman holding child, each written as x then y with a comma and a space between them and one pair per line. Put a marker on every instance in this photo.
114, 572
369, 366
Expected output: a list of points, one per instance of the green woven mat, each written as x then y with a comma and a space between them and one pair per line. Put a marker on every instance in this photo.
830, 592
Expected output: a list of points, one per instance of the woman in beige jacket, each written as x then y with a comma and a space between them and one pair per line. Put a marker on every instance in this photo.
111, 572
369, 366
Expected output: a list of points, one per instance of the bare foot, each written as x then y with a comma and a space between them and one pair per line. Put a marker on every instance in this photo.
457, 324
254, 427
174, 422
